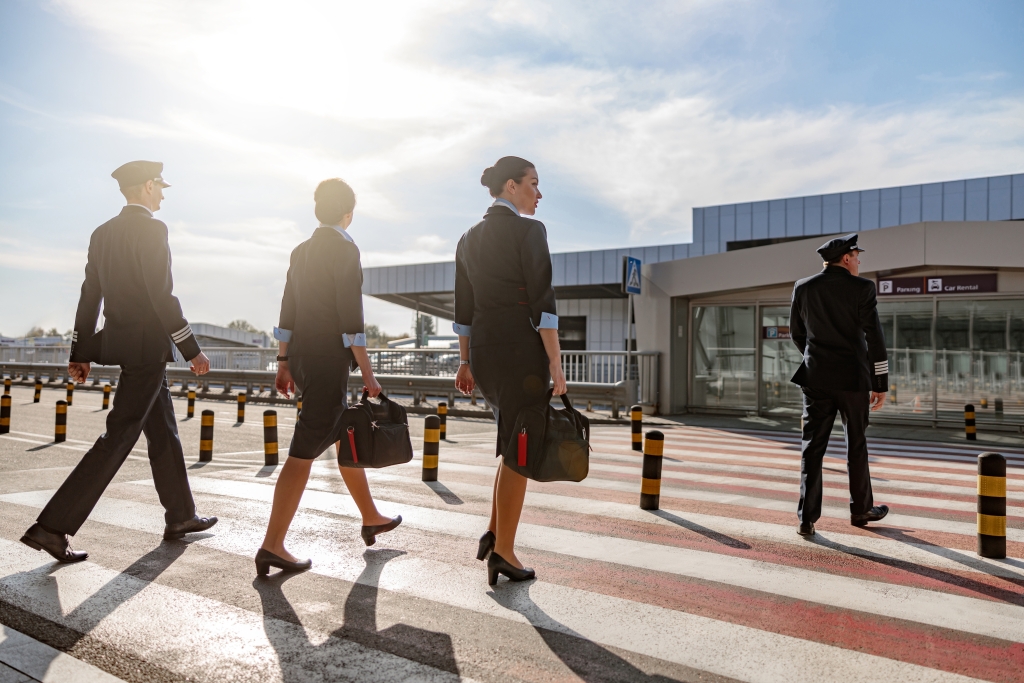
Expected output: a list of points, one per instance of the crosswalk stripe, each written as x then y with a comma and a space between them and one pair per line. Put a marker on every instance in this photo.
43, 663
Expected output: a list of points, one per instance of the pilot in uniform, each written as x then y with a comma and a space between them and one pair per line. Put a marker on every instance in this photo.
129, 273
834, 322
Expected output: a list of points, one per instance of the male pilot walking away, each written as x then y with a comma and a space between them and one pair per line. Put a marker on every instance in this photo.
834, 322
129, 271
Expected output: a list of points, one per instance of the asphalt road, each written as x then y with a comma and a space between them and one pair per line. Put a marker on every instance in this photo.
715, 586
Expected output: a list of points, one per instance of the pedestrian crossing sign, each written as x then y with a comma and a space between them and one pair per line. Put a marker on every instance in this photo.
631, 275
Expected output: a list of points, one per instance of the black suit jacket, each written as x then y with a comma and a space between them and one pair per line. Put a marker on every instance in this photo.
323, 296
503, 278
834, 322
129, 272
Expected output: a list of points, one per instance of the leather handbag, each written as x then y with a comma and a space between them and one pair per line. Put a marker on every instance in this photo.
374, 435
549, 444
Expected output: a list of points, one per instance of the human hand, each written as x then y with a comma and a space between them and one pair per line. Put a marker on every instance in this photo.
79, 371
464, 381
371, 386
200, 365
558, 377
284, 382
877, 399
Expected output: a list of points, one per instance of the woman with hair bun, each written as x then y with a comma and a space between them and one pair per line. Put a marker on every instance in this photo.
508, 335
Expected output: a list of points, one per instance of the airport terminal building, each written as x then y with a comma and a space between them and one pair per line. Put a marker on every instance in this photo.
947, 259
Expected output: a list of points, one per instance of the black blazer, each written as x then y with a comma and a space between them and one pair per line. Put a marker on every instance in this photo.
503, 279
129, 272
323, 296
834, 322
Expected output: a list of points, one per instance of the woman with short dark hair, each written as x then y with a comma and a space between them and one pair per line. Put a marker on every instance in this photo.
507, 324
321, 335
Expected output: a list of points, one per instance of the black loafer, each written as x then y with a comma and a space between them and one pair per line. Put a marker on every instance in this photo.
806, 529
873, 515
57, 545
173, 532
369, 533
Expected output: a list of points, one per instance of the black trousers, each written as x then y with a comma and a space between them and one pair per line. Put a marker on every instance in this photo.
511, 377
820, 408
142, 404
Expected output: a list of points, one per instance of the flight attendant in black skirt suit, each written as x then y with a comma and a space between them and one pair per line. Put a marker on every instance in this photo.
321, 335
508, 334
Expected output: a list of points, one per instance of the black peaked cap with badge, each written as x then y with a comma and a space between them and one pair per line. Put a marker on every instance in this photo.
837, 248
137, 172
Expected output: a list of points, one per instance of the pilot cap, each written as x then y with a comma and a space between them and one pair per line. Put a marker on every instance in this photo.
834, 250
137, 172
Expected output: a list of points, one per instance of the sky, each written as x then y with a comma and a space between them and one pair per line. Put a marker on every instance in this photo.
633, 113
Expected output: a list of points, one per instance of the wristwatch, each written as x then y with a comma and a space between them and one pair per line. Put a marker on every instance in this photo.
281, 358
463, 362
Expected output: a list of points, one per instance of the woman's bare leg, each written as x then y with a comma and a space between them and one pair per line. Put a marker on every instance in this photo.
508, 498
287, 494
492, 524
359, 489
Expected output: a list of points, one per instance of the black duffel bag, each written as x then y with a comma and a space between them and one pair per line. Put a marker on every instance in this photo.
374, 434
550, 444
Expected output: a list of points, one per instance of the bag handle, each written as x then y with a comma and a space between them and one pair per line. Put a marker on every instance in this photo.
566, 402
366, 396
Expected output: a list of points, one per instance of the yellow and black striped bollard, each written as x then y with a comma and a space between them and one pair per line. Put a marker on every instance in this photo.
969, 427
636, 423
5, 414
984, 404
431, 446
60, 429
650, 484
241, 406
992, 505
7, 385
39, 391
71, 392
106, 397
999, 409
269, 438
442, 415
298, 407
191, 403
206, 436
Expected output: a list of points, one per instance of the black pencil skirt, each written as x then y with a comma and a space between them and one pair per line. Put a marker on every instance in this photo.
510, 377
322, 382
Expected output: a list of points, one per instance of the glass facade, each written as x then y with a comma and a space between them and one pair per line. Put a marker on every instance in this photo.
779, 360
724, 357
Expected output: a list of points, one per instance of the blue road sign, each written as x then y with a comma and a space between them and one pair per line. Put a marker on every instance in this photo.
631, 277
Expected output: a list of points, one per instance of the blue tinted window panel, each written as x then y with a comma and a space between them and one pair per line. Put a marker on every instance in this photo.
449, 277
999, 198
711, 247
976, 201
812, 215
571, 272
831, 214
583, 268
680, 251
744, 224
889, 213
851, 212
665, 253
795, 217
759, 218
727, 225
403, 272
710, 233
421, 278
931, 202
611, 266
392, 280
870, 201
953, 201
1017, 197
698, 226
777, 218
910, 204
650, 255
558, 270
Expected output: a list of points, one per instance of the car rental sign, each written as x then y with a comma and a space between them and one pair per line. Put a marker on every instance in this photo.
937, 284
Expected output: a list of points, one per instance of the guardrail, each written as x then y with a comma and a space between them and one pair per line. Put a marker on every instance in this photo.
591, 367
259, 385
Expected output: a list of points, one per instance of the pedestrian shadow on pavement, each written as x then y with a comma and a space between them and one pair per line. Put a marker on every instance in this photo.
589, 661
444, 493
266, 471
958, 556
359, 625
702, 530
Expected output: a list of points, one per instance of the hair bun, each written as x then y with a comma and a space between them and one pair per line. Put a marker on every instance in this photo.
505, 169
485, 177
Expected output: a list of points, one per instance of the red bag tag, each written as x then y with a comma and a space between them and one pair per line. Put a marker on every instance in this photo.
522, 448
352, 443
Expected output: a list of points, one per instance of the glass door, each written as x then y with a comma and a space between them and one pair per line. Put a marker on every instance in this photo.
779, 360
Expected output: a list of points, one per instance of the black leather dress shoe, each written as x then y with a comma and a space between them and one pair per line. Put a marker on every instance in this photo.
173, 532
369, 533
486, 546
806, 529
873, 515
56, 544
266, 559
496, 564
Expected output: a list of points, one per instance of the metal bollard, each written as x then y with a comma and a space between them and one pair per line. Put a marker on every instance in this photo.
992, 505
191, 403
241, 406
269, 437
298, 408
984, 404
71, 392
636, 420
650, 484
431, 446
39, 390
999, 409
5, 414
106, 397
206, 436
892, 394
60, 429
969, 428
7, 385
442, 415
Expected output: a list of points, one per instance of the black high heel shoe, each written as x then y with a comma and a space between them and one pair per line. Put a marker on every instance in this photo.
496, 564
266, 559
369, 533
486, 546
